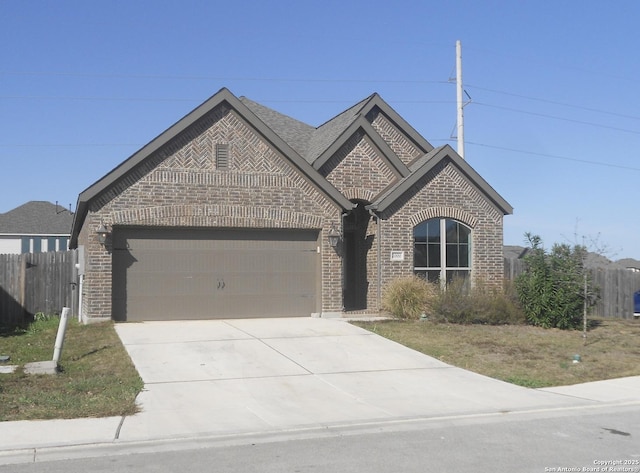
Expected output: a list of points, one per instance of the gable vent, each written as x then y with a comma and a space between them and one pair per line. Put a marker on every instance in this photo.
222, 156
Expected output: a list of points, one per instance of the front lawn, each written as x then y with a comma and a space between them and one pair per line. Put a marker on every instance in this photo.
97, 379
525, 355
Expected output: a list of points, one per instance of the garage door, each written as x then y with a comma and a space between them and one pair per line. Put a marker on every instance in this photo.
170, 274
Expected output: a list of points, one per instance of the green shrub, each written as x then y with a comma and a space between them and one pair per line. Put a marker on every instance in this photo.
409, 297
551, 290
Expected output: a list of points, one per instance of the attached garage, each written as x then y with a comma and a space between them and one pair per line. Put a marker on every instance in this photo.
195, 273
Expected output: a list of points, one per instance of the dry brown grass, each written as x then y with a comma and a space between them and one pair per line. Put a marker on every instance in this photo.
525, 355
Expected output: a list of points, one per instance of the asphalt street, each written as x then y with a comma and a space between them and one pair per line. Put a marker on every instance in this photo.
582, 439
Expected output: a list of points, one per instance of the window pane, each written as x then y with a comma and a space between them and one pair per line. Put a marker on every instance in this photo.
51, 244
63, 244
37, 245
457, 275
420, 256
433, 256
420, 233
463, 234
452, 231
26, 245
463, 251
433, 230
452, 256
433, 276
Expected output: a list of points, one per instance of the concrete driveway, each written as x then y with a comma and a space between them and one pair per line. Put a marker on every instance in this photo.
266, 375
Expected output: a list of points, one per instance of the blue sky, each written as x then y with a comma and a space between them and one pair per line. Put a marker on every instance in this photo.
553, 124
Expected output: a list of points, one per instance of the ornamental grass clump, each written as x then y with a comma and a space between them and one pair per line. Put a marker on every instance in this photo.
409, 297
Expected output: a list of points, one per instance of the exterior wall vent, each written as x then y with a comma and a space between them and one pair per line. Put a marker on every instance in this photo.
222, 156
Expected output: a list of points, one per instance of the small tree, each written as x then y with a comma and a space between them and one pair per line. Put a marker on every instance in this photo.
554, 287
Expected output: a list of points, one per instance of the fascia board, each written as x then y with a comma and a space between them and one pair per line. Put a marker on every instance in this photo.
224, 95
385, 149
136, 158
398, 121
440, 154
155, 144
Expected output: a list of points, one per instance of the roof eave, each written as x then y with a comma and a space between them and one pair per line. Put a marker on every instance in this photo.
398, 122
439, 154
223, 95
362, 123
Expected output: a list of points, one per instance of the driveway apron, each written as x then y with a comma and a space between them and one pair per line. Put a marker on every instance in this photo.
265, 375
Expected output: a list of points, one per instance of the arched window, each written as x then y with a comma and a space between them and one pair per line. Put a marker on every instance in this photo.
442, 250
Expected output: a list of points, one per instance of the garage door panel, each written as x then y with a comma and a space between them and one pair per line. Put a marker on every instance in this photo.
164, 274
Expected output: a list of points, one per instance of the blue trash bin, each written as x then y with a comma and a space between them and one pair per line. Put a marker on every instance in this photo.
636, 304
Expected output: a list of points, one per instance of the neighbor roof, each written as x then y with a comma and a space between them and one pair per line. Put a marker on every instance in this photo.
37, 218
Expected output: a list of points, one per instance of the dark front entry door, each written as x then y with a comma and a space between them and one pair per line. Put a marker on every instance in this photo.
357, 244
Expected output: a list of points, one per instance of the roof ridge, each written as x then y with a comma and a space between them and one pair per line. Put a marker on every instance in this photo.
327, 133
360, 104
244, 99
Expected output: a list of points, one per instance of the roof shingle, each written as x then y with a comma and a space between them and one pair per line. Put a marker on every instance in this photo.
37, 217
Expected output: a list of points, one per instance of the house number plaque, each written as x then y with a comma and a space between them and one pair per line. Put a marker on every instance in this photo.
397, 256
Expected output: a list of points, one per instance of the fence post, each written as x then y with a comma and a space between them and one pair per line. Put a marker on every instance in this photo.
22, 287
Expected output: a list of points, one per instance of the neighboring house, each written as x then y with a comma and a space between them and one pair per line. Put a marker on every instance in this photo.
234, 211
35, 227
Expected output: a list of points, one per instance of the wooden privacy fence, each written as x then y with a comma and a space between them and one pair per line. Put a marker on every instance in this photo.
37, 282
616, 288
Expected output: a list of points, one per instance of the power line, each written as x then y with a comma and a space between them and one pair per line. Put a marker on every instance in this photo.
292, 80
95, 98
218, 78
553, 102
67, 145
555, 156
177, 99
544, 115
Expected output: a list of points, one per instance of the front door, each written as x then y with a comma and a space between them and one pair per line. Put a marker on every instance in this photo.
357, 244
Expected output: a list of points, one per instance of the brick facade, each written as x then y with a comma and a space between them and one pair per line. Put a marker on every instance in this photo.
446, 193
177, 184
180, 187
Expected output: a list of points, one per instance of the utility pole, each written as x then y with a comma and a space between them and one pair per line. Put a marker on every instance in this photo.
460, 94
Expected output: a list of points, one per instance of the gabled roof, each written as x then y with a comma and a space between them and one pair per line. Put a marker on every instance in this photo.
420, 167
361, 123
308, 148
222, 96
36, 218
327, 133
317, 145
294, 132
